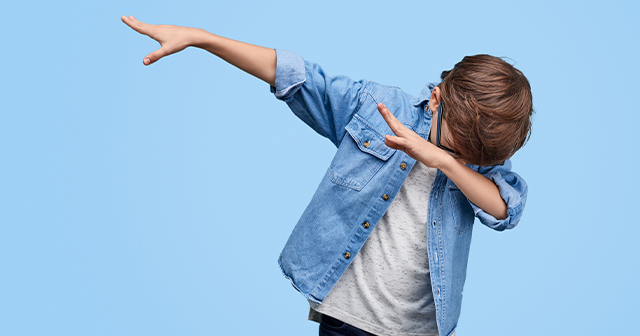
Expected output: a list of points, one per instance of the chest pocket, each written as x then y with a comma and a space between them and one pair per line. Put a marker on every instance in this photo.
361, 154
462, 210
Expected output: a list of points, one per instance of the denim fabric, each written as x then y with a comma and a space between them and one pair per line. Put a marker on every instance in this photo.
365, 176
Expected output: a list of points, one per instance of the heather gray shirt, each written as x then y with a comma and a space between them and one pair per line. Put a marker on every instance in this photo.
387, 288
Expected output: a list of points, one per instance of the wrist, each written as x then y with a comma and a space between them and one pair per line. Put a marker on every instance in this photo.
447, 162
203, 39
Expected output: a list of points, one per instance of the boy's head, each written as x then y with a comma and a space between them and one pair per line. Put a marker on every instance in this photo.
487, 109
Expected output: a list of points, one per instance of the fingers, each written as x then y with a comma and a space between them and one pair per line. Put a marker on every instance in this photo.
392, 142
154, 56
397, 142
395, 125
136, 25
143, 28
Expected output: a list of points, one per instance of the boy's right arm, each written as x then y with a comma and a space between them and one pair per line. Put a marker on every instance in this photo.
255, 60
325, 103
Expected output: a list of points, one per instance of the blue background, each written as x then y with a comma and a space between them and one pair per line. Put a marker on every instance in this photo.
155, 200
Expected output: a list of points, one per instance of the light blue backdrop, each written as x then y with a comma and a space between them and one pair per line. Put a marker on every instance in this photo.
155, 200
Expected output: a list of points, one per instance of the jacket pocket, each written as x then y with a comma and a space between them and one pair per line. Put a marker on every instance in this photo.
361, 154
462, 211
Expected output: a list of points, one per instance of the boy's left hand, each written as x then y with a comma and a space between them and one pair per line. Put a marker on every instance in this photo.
411, 143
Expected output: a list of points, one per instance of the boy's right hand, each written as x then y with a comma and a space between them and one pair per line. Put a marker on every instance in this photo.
172, 39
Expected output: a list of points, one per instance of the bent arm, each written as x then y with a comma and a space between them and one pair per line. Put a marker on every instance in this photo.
478, 189
510, 187
497, 195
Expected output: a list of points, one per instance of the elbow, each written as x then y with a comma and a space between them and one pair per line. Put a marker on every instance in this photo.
502, 211
500, 223
499, 211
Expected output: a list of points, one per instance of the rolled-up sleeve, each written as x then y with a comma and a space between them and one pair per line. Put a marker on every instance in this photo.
325, 103
513, 190
289, 74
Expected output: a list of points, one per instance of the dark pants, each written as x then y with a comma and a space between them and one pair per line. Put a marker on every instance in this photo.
334, 327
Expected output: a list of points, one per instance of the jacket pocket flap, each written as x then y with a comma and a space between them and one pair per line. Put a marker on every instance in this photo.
368, 139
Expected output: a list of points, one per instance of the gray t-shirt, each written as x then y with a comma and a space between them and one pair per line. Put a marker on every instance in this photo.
387, 288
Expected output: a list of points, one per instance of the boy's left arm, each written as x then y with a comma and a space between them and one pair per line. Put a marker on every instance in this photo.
497, 195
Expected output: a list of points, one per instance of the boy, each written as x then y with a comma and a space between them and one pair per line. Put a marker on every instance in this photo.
382, 247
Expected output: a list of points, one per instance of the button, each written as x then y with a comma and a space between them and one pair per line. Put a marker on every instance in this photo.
403, 166
366, 144
347, 255
365, 225
438, 291
385, 197
426, 107
434, 223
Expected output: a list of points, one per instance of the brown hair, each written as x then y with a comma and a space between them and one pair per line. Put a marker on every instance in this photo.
488, 108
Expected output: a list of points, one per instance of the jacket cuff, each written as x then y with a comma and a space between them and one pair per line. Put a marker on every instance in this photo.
290, 74
514, 203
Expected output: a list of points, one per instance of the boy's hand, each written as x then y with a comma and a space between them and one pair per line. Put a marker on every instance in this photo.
477, 188
411, 143
172, 39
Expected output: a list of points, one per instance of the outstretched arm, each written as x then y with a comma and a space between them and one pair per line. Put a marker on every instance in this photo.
255, 60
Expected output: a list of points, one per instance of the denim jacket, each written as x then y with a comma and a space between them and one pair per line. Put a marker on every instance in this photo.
365, 176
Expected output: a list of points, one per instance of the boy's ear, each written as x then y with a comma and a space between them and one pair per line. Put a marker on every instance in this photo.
434, 101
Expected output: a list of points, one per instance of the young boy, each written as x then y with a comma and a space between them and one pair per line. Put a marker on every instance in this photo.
382, 248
